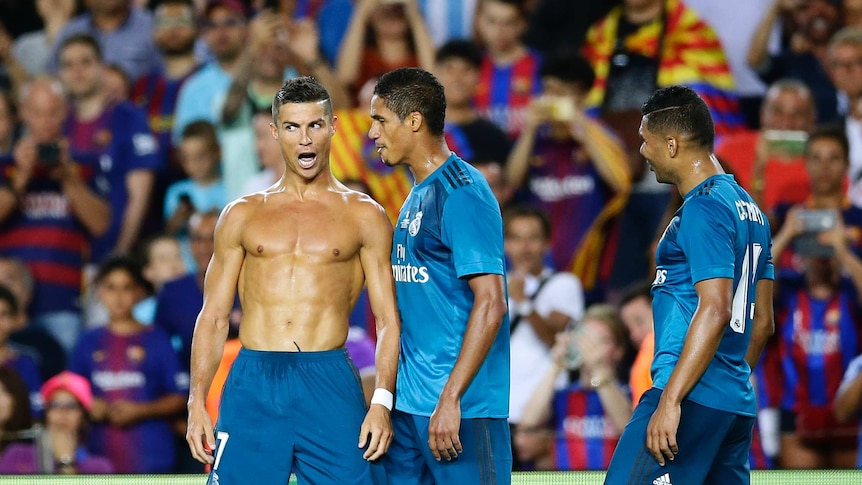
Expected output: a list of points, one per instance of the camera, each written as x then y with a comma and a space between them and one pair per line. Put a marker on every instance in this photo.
48, 154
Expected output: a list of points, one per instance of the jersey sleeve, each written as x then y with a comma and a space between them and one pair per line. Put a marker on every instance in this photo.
706, 238
473, 228
769, 267
142, 150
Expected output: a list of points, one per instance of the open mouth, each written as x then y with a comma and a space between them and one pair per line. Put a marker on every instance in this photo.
306, 160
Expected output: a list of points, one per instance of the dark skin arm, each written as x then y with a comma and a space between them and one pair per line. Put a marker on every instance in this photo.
704, 335
489, 308
764, 322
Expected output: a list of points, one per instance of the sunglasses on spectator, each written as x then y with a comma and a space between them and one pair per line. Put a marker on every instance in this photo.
64, 405
232, 22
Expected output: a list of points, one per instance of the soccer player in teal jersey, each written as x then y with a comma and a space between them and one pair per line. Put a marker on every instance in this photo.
452, 391
712, 303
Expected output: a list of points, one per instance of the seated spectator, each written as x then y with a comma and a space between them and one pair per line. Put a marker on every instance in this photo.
16, 419
22, 359
68, 399
179, 301
135, 375
509, 75
845, 59
541, 303
161, 261
51, 202
574, 169
204, 189
33, 49
586, 418
770, 164
49, 355
383, 36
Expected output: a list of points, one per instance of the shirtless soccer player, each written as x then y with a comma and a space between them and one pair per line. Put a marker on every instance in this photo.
299, 253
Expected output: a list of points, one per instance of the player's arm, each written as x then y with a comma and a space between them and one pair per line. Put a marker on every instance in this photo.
375, 256
763, 321
211, 327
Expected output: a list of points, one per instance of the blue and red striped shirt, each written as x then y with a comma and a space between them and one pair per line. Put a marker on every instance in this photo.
505, 91
585, 438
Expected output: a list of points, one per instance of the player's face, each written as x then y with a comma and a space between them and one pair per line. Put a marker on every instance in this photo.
391, 135
119, 293
654, 150
63, 412
80, 70
459, 79
525, 244
304, 133
826, 165
637, 316
787, 109
500, 26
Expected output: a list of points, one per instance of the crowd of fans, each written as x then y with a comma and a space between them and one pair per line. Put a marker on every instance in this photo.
127, 125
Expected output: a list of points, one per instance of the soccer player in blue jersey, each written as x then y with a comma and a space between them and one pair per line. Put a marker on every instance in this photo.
712, 302
453, 372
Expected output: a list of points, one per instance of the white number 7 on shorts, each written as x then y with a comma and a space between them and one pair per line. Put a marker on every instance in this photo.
221, 442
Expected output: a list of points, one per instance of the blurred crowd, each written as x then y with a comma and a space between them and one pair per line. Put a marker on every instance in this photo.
127, 125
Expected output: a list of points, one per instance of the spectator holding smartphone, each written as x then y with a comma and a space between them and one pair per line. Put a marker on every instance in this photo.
202, 191
49, 207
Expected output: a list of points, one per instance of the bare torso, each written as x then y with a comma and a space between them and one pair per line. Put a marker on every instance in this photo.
301, 273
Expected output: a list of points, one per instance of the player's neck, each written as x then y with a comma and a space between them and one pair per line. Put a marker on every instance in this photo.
701, 165
427, 157
303, 188
91, 106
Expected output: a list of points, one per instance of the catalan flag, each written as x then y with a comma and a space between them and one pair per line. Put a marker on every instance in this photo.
691, 55
353, 157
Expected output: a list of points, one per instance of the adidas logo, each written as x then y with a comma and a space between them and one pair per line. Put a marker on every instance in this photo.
662, 480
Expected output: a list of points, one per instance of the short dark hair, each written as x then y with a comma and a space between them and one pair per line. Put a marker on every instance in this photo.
85, 39
9, 297
122, 262
202, 129
303, 89
570, 67
641, 289
530, 211
410, 89
681, 110
830, 132
463, 49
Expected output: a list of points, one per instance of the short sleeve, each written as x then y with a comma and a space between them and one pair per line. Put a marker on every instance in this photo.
706, 237
143, 148
473, 228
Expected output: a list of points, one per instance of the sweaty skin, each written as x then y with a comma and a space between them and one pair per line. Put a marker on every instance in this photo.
299, 253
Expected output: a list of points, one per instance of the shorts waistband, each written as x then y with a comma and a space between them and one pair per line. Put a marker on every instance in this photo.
289, 356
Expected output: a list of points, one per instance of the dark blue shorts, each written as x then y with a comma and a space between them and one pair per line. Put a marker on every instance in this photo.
713, 448
486, 458
284, 412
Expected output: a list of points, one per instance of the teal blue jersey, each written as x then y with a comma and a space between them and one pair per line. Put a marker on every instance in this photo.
719, 232
448, 230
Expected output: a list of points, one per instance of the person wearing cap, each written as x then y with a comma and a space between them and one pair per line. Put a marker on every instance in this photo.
68, 399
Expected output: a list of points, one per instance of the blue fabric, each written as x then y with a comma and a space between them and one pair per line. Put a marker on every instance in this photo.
717, 233
486, 457
201, 98
449, 229
177, 307
299, 412
713, 447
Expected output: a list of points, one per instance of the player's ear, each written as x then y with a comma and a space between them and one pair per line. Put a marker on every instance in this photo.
672, 146
274, 130
416, 120
334, 124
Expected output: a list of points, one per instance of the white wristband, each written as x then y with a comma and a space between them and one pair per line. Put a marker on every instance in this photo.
383, 397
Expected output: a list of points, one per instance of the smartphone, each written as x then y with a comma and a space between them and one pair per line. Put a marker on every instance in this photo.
573, 358
815, 221
788, 142
48, 154
560, 108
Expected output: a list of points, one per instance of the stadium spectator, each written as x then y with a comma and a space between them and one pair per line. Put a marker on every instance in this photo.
15, 415
769, 163
123, 32
383, 36
161, 261
8, 123
572, 167
52, 200
20, 358
636, 314
135, 375
845, 67
269, 153
204, 188
587, 417
12, 73
68, 399
509, 75
541, 303
33, 49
